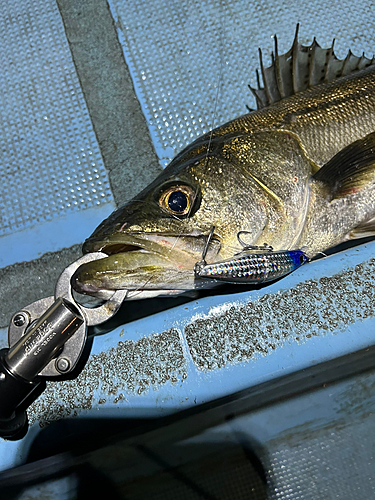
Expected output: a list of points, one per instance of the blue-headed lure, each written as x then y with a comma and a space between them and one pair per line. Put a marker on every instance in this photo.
256, 266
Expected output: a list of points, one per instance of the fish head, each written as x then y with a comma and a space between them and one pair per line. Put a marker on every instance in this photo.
154, 241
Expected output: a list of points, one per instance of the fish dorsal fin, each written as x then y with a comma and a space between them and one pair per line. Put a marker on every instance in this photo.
301, 68
351, 169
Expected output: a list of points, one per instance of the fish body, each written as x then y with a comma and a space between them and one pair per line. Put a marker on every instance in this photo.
297, 173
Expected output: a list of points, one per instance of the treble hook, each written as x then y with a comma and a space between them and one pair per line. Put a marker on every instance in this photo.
252, 247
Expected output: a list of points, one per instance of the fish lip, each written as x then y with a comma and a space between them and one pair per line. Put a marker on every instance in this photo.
118, 243
125, 242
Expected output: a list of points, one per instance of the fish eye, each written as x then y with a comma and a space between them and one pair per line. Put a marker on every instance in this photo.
177, 200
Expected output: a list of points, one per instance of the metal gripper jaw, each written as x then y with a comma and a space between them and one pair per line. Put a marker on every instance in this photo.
46, 339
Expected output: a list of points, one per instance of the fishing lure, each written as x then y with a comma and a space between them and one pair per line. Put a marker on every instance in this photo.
253, 266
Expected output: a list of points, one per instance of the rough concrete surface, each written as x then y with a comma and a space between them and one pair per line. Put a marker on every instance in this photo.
139, 366
23, 283
310, 309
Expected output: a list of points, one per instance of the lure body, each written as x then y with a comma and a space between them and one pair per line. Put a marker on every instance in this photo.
256, 267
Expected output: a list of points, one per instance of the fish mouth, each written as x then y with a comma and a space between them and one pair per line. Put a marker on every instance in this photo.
143, 262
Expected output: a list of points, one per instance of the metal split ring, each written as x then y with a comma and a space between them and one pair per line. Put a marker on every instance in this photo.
95, 315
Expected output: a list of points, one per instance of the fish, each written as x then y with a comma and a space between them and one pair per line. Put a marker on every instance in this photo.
296, 174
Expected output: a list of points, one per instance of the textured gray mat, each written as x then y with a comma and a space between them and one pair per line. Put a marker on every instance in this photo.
50, 161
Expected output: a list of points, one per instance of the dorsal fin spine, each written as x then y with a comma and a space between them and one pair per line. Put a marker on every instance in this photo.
301, 68
312, 60
278, 71
258, 79
295, 60
362, 58
329, 57
265, 81
346, 62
